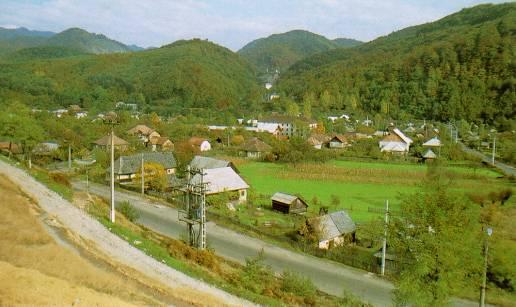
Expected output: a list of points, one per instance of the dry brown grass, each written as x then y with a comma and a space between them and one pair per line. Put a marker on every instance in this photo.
35, 270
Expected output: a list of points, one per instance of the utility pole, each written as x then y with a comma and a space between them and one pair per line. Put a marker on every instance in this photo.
384, 246
143, 177
494, 150
484, 275
87, 182
69, 156
112, 177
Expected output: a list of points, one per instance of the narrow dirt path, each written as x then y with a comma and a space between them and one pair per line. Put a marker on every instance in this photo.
93, 233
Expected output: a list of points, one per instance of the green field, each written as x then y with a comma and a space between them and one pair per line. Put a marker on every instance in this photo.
359, 185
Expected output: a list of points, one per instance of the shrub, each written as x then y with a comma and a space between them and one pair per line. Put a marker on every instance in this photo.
297, 284
128, 211
60, 178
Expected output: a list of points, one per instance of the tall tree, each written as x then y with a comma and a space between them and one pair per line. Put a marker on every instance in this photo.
436, 242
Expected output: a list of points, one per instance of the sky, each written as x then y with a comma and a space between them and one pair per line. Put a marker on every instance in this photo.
230, 23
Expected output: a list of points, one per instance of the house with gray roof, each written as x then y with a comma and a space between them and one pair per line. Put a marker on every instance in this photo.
333, 229
200, 162
287, 203
220, 180
126, 167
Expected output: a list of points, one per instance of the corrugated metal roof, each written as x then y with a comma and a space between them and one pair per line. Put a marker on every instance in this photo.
429, 154
433, 142
283, 197
131, 164
335, 224
221, 180
201, 162
405, 138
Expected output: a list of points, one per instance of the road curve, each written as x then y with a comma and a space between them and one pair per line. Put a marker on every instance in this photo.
505, 168
329, 276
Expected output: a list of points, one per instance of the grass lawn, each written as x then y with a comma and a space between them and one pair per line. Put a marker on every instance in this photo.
358, 185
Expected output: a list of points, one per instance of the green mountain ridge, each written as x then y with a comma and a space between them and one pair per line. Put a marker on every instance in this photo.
280, 51
13, 40
176, 77
458, 67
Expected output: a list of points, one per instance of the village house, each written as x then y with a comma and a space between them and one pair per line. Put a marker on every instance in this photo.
221, 180
288, 203
200, 143
285, 125
45, 148
255, 148
126, 167
200, 162
429, 155
126, 106
318, 140
60, 112
338, 141
105, 143
10, 148
161, 143
146, 134
333, 229
395, 142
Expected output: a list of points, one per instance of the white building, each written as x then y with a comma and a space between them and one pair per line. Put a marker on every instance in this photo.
395, 142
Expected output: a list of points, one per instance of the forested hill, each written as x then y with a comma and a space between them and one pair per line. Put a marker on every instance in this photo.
185, 74
279, 51
461, 66
347, 42
12, 40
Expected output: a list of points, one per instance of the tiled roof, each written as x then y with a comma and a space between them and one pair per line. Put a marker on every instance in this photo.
106, 141
142, 129
284, 198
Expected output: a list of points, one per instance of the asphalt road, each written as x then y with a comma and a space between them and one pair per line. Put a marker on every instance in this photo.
331, 277
505, 168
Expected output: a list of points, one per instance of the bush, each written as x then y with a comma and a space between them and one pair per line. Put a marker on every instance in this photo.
60, 178
297, 284
128, 211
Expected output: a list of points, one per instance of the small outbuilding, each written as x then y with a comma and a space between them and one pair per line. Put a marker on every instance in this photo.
333, 229
255, 148
200, 143
287, 203
161, 143
338, 141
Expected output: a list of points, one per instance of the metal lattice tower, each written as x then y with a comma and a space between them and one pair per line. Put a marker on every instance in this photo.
193, 212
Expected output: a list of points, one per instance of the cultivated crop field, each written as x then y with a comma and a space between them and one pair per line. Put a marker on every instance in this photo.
361, 187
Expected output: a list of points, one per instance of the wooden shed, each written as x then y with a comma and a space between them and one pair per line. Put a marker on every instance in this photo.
288, 203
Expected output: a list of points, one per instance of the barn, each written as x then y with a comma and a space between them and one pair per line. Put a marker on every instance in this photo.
288, 203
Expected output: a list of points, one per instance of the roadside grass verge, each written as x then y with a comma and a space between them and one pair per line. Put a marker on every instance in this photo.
57, 182
205, 265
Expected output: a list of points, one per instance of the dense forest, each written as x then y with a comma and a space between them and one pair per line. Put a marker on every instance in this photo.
12, 40
171, 79
280, 51
459, 67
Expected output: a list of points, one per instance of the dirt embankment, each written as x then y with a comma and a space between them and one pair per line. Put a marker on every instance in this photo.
51, 265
